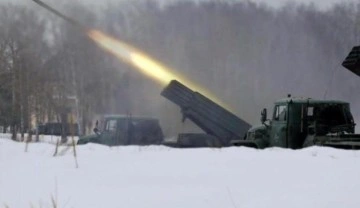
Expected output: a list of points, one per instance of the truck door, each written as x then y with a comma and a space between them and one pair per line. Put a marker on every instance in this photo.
299, 117
278, 125
122, 134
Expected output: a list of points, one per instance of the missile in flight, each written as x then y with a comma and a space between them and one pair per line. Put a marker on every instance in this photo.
59, 14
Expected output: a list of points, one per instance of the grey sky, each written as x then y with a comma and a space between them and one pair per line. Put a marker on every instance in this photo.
323, 4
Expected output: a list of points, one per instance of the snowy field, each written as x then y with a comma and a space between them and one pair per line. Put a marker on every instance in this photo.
161, 177
42, 138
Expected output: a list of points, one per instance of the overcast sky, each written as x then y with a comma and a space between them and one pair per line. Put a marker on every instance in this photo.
323, 4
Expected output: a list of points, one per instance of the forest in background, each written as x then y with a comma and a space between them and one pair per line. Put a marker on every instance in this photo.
248, 54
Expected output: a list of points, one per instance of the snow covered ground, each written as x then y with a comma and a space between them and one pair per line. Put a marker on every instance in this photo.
51, 139
157, 176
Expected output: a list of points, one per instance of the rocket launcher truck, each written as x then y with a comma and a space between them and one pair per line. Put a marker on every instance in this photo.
294, 122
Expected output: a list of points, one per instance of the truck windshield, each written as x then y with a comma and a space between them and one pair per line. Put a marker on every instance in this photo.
280, 112
110, 125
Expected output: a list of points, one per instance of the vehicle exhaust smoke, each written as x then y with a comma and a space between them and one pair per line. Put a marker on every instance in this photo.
135, 57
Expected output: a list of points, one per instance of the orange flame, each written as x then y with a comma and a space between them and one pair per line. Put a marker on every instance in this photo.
145, 63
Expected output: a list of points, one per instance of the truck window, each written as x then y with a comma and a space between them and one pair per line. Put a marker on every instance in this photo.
310, 114
331, 115
280, 113
111, 125
310, 111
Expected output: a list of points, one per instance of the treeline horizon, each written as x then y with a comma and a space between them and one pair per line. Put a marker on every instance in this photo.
248, 54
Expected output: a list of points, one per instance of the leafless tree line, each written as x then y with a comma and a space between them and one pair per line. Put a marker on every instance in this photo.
247, 54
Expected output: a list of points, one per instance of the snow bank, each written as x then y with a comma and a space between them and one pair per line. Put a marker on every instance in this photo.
157, 176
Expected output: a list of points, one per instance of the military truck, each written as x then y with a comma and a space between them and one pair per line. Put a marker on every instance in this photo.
125, 130
295, 123
302, 122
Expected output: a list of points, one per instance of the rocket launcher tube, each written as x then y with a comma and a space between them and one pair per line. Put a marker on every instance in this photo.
209, 116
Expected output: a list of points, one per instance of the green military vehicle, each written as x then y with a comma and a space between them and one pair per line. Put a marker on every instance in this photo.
295, 123
302, 122
125, 130
299, 122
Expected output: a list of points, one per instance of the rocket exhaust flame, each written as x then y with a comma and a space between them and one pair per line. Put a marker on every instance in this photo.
145, 63
140, 60
133, 56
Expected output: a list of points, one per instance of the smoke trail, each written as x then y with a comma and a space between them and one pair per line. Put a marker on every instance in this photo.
146, 64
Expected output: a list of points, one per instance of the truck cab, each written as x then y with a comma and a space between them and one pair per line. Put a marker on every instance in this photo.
298, 122
125, 130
